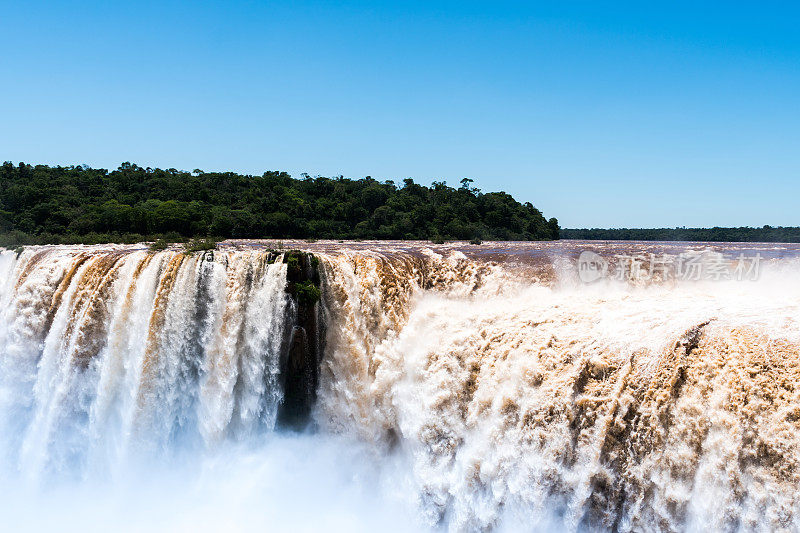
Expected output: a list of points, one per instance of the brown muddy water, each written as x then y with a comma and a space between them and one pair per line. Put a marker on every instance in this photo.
572, 385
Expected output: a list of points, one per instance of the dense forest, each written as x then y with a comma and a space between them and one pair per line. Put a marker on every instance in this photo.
43, 204
744, 234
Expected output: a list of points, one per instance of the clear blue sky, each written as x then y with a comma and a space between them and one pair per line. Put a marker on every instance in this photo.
636, 114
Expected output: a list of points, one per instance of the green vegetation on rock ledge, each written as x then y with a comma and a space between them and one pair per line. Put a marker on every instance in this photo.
158, 245
77, 204
200, 245
302, 273
307, 292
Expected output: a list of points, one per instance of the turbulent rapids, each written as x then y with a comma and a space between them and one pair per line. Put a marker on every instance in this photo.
449, 387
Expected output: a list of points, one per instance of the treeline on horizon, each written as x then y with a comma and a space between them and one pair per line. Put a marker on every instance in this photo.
716, 234
77, 204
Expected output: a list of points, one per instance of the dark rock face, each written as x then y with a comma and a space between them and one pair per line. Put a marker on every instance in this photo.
300, 365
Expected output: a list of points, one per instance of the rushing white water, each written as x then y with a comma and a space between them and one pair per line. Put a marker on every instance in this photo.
114, 353
142, 390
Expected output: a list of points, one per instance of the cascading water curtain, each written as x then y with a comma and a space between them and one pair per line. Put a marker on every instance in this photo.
454, 393
110, 355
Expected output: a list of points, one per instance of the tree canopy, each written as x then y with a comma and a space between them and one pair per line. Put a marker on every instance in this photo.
44, 204
716, 234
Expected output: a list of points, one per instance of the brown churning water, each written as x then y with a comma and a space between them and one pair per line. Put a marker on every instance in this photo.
507, 392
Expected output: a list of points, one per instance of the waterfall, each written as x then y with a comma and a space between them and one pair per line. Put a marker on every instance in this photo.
109, 353
452, 391
526, 405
